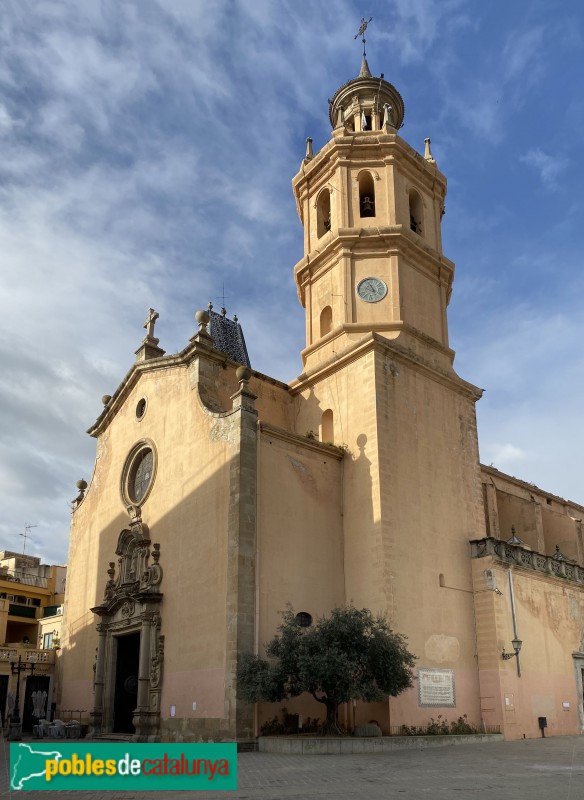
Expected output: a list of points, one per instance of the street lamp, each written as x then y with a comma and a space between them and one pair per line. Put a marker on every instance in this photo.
516, 648
17, 666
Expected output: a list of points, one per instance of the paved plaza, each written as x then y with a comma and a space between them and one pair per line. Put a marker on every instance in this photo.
536, 769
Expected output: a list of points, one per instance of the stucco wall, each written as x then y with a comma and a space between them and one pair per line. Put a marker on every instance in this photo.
299, 530
186, 512
550, 623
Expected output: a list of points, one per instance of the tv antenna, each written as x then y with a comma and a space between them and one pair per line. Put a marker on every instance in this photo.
26, 535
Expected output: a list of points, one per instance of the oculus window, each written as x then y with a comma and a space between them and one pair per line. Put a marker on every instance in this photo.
139, 472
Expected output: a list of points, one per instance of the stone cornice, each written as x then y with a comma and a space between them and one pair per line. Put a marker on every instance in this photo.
491, 474
195, 349
109, 607
375, 341
380, 328
518, 556
374, 146
301, 441
393, 239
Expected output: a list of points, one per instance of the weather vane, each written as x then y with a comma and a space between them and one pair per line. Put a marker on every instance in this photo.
361, 31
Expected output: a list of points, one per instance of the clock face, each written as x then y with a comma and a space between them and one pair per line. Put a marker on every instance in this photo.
372, 290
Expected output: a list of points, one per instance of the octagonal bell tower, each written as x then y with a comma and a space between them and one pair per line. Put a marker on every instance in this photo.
378, 375
371, 207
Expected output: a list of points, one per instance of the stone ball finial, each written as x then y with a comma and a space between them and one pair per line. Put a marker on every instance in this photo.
106, 398
81, 485
243, 374
202, 318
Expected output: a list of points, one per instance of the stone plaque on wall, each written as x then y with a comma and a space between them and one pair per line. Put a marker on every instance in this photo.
436, 688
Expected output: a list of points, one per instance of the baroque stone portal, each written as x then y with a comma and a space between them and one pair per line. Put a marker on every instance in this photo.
129, 630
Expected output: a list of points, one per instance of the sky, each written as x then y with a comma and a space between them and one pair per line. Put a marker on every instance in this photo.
146, 153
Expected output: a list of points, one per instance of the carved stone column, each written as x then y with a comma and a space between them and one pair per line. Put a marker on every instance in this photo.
98, 682
147, 717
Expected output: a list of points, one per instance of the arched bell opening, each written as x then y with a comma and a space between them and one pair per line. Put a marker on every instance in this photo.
416, 212
366, 195
366, 121
326, 320
323, 213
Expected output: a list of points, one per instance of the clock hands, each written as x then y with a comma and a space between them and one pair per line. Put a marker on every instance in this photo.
371, 290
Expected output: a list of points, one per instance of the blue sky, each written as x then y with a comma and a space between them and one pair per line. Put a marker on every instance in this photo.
147, 153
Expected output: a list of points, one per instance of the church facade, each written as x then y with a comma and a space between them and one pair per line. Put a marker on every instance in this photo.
220, 495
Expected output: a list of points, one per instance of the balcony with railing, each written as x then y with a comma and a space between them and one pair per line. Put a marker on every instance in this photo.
28, 655
509, 553
52, 611
23, 577
18, 610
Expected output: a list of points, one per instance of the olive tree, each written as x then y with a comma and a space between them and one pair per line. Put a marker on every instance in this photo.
346, 656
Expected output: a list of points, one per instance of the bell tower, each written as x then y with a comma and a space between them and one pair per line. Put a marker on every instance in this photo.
378, 377
371, 207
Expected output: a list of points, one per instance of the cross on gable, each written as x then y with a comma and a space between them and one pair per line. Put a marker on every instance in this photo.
150, 321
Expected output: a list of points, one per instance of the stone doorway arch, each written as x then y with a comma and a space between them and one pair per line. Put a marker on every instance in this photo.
131, 605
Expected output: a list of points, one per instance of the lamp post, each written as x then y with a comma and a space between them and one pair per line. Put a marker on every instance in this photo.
16, 667
515, 654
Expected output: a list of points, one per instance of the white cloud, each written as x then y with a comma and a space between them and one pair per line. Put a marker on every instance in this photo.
6, 121
420, 23
549, 167
522, 52
505, 456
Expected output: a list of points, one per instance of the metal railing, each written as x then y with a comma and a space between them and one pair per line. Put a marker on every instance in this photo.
68, 714
17, 610
435, 730
26, 578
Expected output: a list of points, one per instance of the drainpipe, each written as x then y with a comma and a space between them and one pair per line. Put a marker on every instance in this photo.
512, 594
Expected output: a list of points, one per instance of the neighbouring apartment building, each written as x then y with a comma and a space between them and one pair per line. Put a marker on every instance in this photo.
31, 611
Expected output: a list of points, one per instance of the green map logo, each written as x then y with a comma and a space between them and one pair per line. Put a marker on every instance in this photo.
123, 766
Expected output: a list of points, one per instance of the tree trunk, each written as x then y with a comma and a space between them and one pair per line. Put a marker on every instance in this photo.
330, 726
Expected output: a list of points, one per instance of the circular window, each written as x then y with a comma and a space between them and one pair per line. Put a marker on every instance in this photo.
304, 619
138, 474
141, 408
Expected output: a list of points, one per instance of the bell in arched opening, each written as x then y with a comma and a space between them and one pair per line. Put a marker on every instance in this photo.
367, 206
366, 194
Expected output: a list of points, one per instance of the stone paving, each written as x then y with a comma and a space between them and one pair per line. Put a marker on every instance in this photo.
536, 769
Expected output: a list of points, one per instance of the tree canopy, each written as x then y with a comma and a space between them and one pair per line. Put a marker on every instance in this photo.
346, 656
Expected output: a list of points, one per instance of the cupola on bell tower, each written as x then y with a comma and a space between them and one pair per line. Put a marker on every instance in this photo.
371, 207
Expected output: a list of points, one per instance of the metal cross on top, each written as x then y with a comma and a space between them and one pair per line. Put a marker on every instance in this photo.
223, 308
361, 31
149, 324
